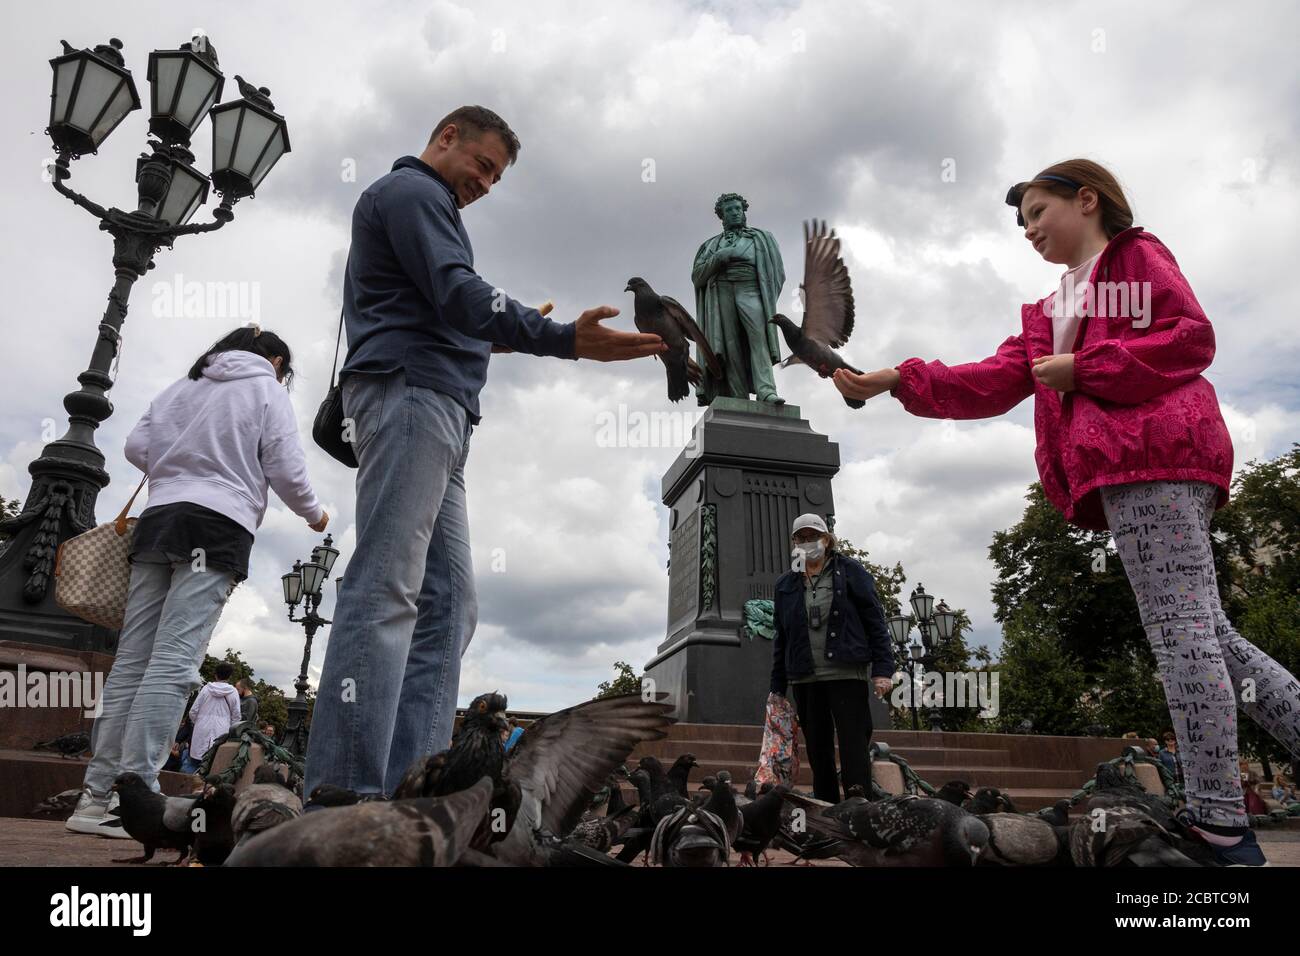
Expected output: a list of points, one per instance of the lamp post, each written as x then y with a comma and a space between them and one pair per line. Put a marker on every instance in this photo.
303, 584
935, 625
92, 94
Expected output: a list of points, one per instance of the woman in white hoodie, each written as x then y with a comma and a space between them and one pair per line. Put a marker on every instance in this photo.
210, 444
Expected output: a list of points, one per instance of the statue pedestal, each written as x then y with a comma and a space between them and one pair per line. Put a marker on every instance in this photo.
750, 469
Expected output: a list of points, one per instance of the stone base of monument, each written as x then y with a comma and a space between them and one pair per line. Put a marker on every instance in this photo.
749, 470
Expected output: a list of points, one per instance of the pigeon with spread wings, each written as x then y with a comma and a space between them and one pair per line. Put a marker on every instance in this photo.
828, 308
666, 318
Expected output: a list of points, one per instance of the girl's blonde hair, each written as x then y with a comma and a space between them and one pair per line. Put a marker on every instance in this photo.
1116, 216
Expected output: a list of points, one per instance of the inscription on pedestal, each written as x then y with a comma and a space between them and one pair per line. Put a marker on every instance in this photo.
684, 571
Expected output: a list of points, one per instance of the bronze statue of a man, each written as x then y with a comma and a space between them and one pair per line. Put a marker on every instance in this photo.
738, 276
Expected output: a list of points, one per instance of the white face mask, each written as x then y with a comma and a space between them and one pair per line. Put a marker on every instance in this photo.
812, 550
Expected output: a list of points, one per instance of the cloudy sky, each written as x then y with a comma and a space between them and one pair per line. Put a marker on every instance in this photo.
845, 111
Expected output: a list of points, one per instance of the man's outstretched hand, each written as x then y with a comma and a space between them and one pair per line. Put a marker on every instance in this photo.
602, 344
867, 385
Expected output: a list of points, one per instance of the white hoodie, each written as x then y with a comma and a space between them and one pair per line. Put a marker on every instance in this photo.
219, 441
214, 711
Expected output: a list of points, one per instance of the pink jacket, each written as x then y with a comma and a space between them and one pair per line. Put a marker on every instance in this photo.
1140, 409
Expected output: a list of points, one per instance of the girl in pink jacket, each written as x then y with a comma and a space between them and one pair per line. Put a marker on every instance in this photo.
1130, 440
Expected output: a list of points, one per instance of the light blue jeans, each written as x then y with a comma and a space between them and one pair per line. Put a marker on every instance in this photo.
171, 611
408, 608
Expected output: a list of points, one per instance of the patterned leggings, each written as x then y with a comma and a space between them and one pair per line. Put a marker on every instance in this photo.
1162, 531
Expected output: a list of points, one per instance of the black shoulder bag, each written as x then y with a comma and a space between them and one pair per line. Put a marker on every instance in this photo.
327, 430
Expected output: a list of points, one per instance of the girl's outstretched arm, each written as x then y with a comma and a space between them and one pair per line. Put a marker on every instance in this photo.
934, 390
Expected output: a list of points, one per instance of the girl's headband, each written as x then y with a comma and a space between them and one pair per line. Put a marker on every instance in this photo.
1017, 192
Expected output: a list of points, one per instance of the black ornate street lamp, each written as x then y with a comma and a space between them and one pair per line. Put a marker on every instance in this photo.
93, 91
303, 584
936, 626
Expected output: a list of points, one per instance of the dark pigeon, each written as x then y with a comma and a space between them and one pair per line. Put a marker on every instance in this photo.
722, 804
69, 745
665, 317
902, 831
1124, 836
828, 308
1057, 815
59, 806
956, 792
214, 835
152, 819
990, 800
690, 837
427, 831
760, 824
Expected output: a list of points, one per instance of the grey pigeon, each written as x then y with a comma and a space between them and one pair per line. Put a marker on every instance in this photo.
1019, 840
426, 831
690, 837
902, 831
265, 804
760, 824
1123, 836
561, 764
828, 308
665, 317
59, 806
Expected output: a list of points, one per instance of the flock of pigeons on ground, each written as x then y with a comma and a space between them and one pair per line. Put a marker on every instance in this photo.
556, 799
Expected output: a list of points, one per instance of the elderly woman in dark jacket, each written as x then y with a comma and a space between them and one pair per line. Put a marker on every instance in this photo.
832, 646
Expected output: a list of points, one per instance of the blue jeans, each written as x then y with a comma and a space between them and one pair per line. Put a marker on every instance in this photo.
408, 608
171, 611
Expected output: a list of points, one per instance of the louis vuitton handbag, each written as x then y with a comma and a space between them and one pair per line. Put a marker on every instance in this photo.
91, 571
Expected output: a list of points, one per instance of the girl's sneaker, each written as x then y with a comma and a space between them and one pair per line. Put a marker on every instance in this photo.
94, 815
1245, 852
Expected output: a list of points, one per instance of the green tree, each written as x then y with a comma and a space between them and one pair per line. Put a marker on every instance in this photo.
625, 682
955, 656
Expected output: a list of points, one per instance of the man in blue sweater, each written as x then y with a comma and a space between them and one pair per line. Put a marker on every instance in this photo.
421, 326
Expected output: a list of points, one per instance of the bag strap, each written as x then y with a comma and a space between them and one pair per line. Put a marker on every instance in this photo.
338, 339
119, 525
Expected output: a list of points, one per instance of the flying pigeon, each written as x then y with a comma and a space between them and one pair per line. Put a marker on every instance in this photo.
157, 821
265, 804
665, 317
902, 831
828, 308
427, 831
548, 780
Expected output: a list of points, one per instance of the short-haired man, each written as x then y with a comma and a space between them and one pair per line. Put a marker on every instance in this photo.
421, 326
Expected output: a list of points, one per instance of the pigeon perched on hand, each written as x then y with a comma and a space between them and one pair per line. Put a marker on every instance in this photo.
428, 831
902, 831
665, 317
158, 822
828, 308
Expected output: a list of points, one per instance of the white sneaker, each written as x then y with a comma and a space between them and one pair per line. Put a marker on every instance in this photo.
94, 815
